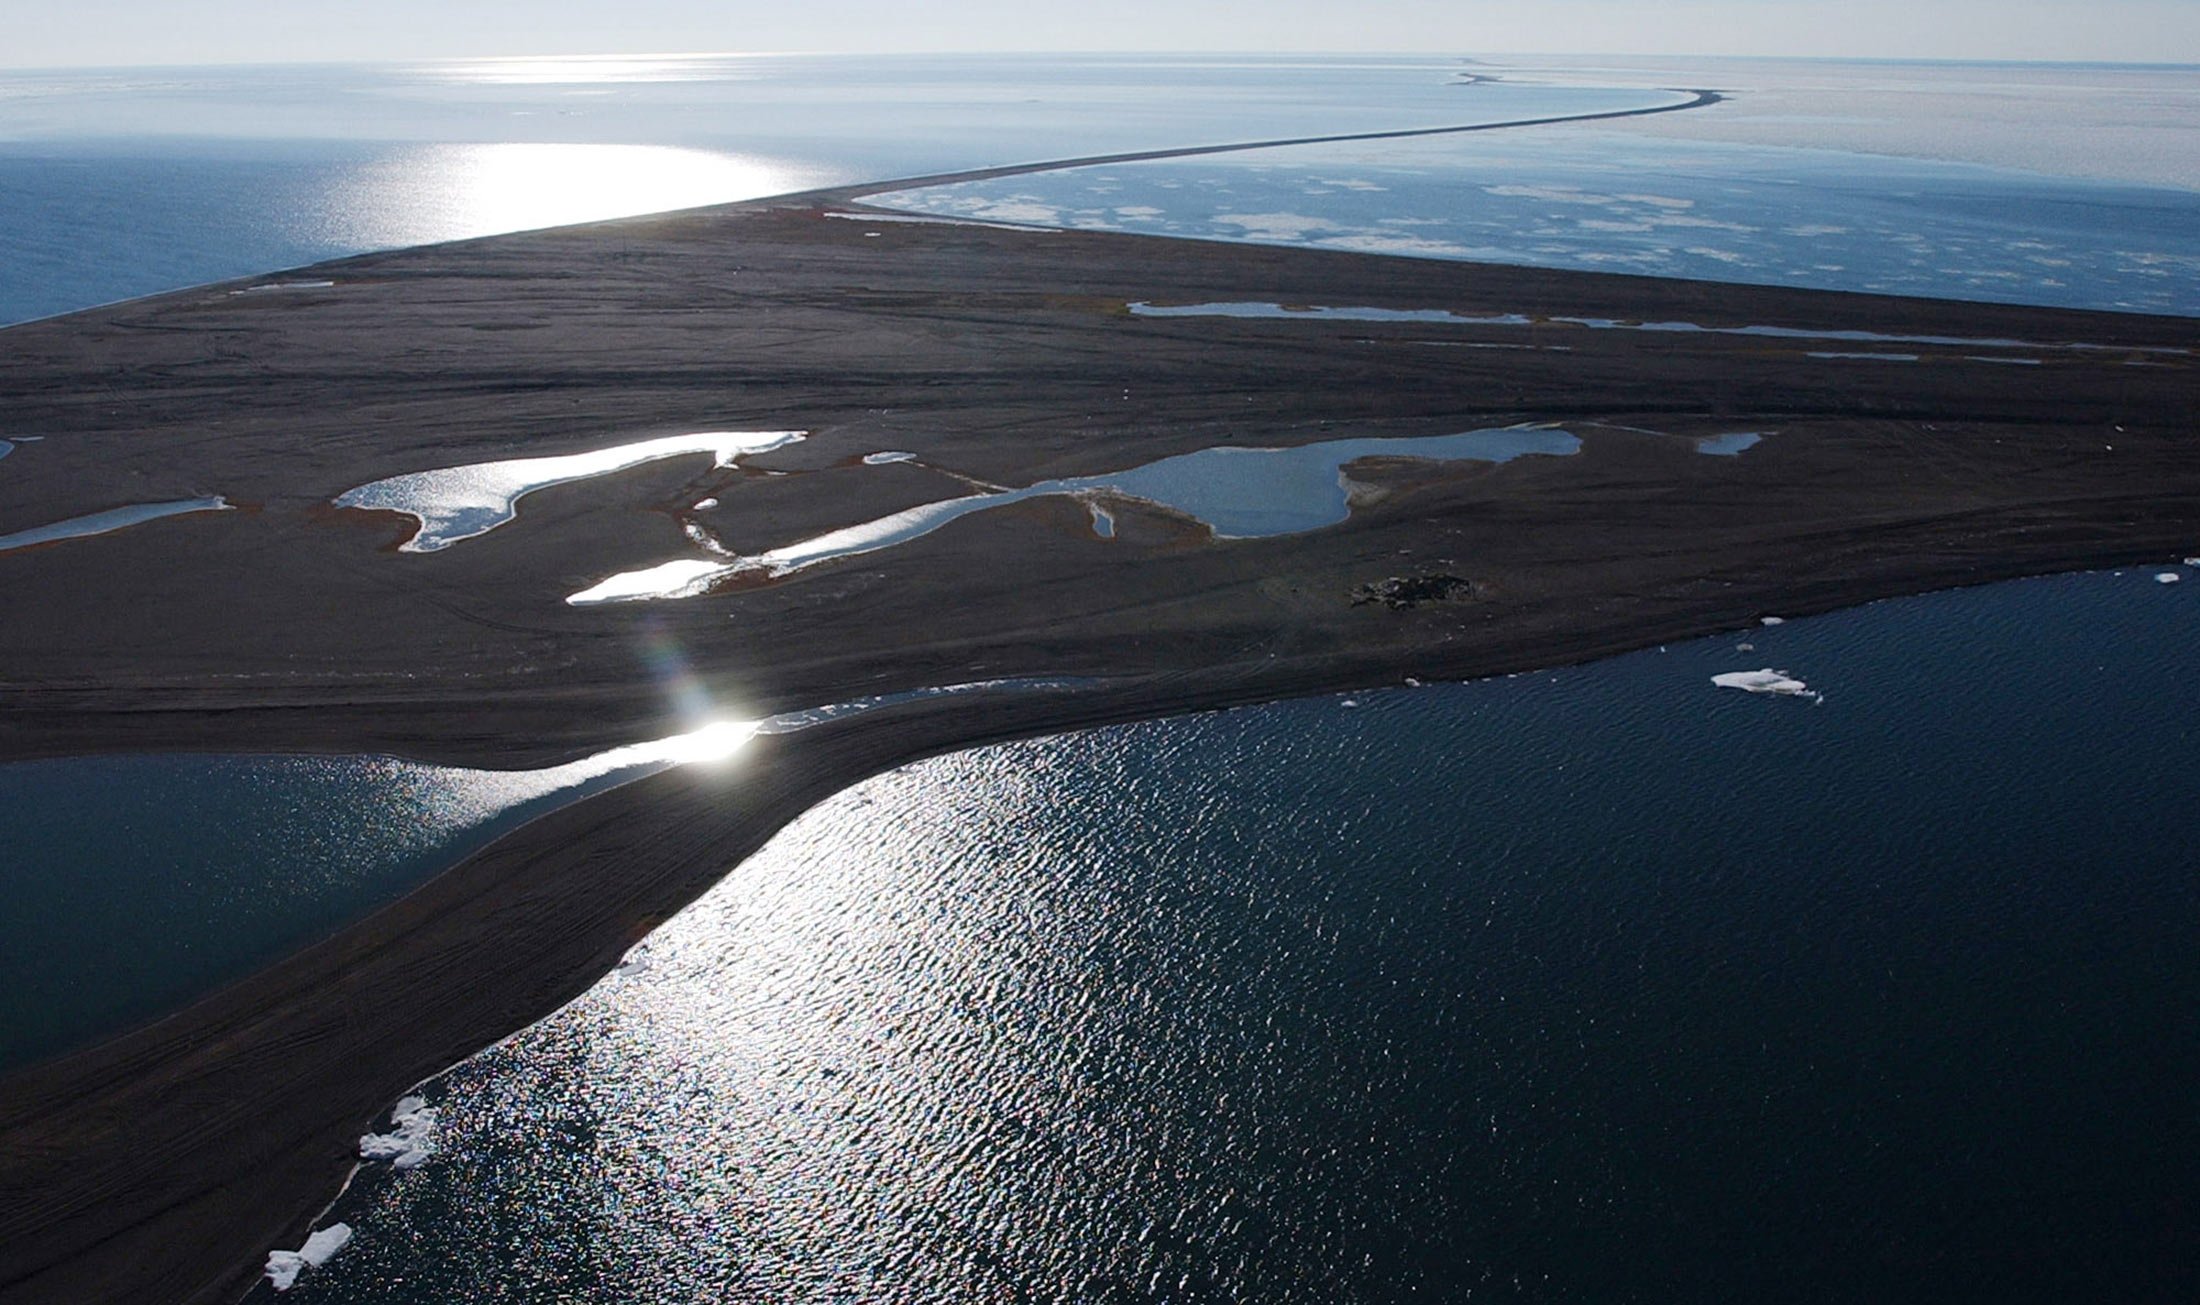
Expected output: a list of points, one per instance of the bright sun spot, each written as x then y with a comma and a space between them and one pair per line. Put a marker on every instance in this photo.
588, 70
717, 741
452, 192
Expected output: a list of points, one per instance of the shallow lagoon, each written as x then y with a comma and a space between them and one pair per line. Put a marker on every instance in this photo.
1596, 199
1595, 984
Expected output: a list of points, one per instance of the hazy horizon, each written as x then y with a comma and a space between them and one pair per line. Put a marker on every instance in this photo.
171, 33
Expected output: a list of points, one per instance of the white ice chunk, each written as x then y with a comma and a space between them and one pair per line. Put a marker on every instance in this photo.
2167, 577
410, 1142
705, 505
1767, 680
889, 455
1772, 620
283, 1267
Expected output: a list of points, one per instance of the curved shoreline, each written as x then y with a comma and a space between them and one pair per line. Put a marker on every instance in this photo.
162, 1164
292, 1026
854, 190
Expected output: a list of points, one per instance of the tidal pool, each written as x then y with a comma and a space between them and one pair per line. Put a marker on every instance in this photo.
458, 503
1238, 493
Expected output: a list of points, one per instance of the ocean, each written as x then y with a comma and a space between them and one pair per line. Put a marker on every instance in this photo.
1601, 984
1606, 983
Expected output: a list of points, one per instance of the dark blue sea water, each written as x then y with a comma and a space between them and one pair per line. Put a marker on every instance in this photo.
1596, 985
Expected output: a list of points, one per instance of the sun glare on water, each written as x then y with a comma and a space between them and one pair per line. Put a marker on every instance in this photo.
431, 193
592, 69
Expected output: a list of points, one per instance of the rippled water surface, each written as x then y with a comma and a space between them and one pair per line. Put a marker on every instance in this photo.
1601, 984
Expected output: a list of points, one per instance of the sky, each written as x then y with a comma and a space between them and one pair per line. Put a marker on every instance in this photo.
50, 33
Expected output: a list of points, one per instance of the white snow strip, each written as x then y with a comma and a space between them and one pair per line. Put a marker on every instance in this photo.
880, 459
284, 285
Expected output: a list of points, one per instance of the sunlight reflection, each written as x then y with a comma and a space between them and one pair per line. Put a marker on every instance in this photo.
451, 192
582, 70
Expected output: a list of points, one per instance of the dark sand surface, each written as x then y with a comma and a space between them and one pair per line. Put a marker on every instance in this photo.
161, 1166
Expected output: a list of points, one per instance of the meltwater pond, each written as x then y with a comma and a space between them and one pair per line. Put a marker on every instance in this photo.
1237, 492
1600, 984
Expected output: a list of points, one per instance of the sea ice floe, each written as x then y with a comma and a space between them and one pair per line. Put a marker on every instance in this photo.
704, 505
410, 1142
283, 1267
2167, 577
1772, 620
1768, 680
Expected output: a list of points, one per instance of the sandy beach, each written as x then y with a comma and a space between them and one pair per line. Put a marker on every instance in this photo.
164, 1164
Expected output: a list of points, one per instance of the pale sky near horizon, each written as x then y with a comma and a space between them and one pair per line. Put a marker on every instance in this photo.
46, 33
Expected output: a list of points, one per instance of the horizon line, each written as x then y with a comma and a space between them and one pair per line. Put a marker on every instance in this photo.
1462, 56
